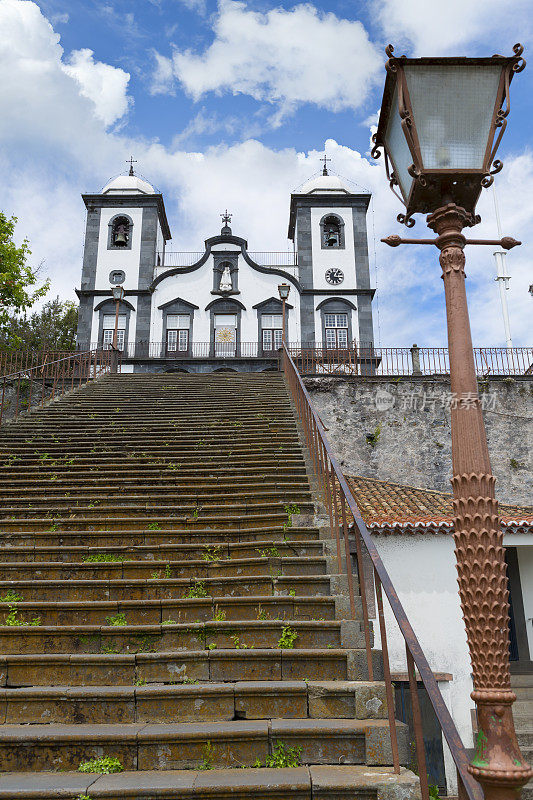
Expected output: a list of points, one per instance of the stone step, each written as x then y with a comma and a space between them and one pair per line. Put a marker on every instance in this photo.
274, 566
155, 612
237, 634
145, 746
198, 702
114, 669
144, 507
32, 552
299, 783
165, 536
167, 588
150, 496
207, 485
141, 521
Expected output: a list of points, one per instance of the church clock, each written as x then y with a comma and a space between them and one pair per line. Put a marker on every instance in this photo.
334, 275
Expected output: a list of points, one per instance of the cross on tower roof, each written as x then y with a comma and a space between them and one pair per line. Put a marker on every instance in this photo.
131, 161
226, 217
325, 159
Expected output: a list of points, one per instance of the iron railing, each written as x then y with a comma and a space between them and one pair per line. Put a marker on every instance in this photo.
186, 258
36, 383
346, 522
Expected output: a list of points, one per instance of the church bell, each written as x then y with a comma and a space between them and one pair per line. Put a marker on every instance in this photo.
120, 236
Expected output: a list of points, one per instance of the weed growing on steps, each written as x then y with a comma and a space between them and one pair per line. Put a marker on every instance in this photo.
208, 752
237, 643
292, 592
219, 616
170, 622
287, 638
168, 571
154, 526
12, 597
141, 681
105, 765
117, 619
213, 553
291, 509
271, 552
261, 613
282, 757
83, 797
98, 558
13, 619
197, 590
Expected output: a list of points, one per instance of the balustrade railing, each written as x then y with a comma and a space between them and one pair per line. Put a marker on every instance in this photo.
186, 258
36, 383
352, 537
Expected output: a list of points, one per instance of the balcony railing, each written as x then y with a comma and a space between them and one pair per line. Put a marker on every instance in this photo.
285, 260
361, 359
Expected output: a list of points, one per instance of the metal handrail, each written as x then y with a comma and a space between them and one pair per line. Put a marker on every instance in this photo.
64, 373
338, 496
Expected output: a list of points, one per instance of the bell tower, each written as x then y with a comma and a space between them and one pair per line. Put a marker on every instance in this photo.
126, 232
327, 224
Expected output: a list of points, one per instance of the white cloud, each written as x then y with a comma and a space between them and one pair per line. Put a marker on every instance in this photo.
437, 28
283, 57
105, 85
53, 147
163, 75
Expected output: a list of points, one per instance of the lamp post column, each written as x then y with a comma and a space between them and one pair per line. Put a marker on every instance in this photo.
283, 321
498, 764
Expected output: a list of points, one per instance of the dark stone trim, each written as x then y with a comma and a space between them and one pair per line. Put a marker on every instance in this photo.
322, 201
335, 292
178, 300
123, 302
342, 237
336, 300
220, 260
272, 300
128, 308
110, 245
107, 293
224, 239
222, 300
94, 201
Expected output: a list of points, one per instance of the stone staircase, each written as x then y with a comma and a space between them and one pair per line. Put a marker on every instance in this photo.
163, 604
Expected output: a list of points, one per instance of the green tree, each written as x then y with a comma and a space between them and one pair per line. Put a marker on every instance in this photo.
51, 328
16, 277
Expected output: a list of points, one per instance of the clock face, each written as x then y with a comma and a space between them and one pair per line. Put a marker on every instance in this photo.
334, 275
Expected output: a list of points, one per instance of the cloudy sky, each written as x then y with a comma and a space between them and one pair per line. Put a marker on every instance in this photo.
231, 104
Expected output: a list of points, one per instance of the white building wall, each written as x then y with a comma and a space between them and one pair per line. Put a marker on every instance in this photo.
127, 260
323, 258
196, 287
422, 569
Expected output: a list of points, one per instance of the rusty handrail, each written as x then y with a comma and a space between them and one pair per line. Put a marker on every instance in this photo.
318, 443
59, 375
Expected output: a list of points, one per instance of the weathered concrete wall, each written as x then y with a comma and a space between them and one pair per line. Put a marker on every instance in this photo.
399, 430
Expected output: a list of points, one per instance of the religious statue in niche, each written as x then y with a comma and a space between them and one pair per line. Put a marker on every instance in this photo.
225, 280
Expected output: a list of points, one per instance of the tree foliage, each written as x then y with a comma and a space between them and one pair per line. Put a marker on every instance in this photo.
16, 277
51, 328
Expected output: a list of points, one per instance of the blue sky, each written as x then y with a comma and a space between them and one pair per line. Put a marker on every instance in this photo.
231, 104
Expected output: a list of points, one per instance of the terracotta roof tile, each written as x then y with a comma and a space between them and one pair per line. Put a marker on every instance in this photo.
391, 506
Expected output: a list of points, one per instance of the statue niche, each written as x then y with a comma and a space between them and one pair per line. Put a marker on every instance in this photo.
226, 284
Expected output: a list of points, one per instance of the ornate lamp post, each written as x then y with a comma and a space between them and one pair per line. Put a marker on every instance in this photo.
283, 290
440, 125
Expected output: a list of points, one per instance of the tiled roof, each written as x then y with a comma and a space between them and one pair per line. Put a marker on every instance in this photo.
394, 508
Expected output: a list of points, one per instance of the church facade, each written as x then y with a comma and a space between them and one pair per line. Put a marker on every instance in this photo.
220, 307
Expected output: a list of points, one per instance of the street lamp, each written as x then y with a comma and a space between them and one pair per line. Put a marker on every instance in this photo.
283, 289
440, 125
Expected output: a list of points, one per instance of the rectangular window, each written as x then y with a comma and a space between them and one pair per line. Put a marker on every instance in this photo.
336, 326
178, 326
271, 325
109, 331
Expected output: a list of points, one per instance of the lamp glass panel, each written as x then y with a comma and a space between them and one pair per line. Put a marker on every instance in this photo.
453, 105
398, 149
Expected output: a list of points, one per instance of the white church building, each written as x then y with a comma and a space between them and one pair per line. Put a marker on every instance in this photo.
220, 307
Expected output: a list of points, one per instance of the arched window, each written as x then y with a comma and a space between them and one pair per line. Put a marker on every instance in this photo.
120, 233
332, 231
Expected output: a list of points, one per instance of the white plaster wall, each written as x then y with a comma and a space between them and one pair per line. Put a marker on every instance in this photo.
128, 260
422, 569
525, 565
332, 257
196, 287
